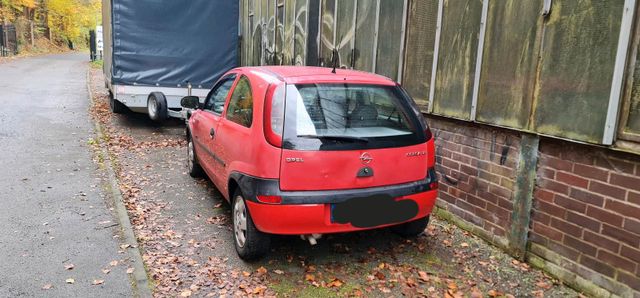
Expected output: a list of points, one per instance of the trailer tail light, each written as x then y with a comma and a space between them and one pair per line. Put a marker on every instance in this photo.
269, 199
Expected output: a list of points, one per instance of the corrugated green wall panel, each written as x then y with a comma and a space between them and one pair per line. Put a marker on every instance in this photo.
457, 58
578, 58
509, 64
421, 35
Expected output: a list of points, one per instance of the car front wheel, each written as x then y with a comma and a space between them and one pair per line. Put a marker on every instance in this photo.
195, 170
250, 243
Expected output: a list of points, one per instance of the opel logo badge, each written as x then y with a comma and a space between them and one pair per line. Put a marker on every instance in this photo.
366, 158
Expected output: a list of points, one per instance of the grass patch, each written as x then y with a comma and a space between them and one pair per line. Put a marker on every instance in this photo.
97, 64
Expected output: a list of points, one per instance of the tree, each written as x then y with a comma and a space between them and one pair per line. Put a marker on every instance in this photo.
67, 20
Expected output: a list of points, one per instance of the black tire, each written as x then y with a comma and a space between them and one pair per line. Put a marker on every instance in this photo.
116, 106
256, 244
157, 106
411, 229
195, 170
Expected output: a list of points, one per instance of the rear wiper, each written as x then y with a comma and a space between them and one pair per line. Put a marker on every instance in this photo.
335, 138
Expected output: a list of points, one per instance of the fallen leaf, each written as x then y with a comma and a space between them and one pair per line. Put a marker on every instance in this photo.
335, 283
464, 244
379, 275
106, 271
544, 285
114, 263
309, 277
494, 293
423, 276
185, 293
262, 270
69, 266
278, 271
70, 280
47, 286
97, 282
452, 286
475, 293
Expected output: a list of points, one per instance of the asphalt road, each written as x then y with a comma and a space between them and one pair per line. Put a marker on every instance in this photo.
53, 208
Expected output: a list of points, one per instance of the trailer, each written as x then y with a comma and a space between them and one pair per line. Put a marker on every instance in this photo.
156, 52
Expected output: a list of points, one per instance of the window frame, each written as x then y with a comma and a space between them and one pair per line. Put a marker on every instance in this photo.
230, 97
233, 77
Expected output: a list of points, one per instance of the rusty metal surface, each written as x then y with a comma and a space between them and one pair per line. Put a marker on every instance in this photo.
457, 59
421, 34
289, 21
300, 33
633, 120
345, 31
365, 35
509, 63
389, 38
578, 57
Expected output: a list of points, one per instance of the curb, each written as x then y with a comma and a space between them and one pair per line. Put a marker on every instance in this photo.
140, 281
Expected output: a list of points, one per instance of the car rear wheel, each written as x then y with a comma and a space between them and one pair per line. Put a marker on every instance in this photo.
411, 229
195, 170
250, 243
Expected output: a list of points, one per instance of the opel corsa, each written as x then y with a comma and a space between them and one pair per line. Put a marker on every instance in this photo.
309, 151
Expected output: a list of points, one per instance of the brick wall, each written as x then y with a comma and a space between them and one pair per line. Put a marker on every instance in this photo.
587, 209
476, 169
586, 203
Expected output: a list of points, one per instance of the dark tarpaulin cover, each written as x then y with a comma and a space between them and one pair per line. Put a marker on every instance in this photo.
170, 42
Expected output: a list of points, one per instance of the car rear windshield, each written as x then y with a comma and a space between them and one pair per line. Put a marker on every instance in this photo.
349, 117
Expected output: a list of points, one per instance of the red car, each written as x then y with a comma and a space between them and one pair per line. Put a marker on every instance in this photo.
305, 151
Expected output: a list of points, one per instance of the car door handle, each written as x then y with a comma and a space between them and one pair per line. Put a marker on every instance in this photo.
212, 133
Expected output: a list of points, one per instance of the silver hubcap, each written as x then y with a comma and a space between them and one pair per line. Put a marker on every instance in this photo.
191, 155
153, 108
240, 221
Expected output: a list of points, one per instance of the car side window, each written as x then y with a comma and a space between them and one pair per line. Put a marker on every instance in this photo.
218, 95
240, 108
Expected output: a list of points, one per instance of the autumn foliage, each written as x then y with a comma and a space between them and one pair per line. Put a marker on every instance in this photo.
58, 20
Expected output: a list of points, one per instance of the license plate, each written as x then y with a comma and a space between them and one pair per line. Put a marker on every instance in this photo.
367, 212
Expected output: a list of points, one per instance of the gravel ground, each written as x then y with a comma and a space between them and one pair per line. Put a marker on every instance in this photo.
183, 228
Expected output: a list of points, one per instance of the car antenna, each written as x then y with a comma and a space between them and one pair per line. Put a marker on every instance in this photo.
334, 59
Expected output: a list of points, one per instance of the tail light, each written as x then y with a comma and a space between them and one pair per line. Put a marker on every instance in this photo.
269, 199
274, 114
433, 178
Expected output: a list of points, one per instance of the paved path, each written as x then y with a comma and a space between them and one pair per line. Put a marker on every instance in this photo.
53, 209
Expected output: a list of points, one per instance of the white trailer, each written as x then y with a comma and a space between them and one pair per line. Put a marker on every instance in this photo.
156, 52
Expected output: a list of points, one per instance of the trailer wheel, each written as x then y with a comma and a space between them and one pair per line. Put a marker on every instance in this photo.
157, 106
116, 106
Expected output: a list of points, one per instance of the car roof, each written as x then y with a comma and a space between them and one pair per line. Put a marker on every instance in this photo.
312, 74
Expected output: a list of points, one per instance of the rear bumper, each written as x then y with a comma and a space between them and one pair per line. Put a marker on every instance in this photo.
296, 219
